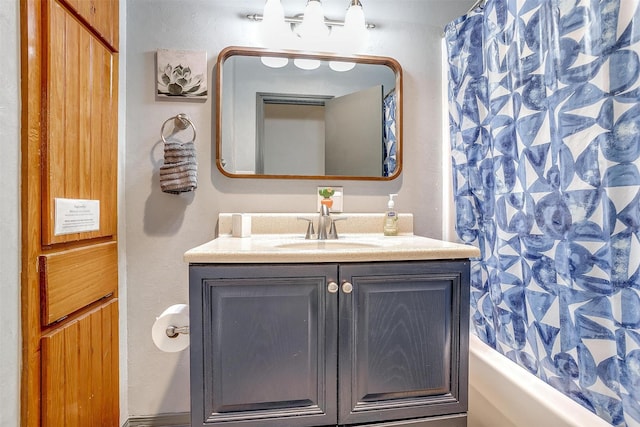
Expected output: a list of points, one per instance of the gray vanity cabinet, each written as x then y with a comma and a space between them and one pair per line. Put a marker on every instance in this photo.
263, 345
302, 345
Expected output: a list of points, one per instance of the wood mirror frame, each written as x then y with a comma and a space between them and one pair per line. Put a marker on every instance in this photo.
391, 63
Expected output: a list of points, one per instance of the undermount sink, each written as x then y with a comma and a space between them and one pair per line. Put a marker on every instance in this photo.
326, 244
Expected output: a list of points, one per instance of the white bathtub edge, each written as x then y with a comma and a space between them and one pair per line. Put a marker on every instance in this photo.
516, 393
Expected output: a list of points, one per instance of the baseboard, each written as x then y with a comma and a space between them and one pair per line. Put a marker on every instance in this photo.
164, 420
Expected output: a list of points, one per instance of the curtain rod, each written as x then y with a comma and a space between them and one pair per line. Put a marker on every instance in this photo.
478, 3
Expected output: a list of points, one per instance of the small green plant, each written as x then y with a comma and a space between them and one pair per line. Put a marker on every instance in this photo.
326, 192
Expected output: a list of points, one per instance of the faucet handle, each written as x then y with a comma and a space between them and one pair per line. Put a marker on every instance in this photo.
310, 230
333, 231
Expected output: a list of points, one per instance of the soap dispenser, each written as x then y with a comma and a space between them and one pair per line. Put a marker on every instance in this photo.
390, 227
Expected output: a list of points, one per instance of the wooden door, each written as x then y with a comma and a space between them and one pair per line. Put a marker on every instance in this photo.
403, 341
263, 345
69, 63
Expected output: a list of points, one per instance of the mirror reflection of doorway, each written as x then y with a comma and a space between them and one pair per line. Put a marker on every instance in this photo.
319, 135
293, 139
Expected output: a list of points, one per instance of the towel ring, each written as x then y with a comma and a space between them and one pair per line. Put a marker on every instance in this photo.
180, 122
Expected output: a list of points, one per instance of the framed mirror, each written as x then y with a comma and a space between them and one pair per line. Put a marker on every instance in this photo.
299, 115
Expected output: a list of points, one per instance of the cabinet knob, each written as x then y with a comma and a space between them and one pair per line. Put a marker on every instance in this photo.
333, 287
347, 287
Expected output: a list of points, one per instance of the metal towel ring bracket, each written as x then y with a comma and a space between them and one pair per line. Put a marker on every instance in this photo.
180, 122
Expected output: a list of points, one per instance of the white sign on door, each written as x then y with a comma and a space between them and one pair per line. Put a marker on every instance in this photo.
76, 216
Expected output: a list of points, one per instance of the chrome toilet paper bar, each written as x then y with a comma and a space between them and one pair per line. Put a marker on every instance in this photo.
174, 331
170, 330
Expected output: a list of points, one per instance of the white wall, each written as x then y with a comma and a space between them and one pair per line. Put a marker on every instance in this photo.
122, 236
10, 215
161, 227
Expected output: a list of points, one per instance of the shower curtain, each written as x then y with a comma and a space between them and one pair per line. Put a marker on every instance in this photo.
389, 134
544, 109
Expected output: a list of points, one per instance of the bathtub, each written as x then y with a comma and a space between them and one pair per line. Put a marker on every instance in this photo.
502, 394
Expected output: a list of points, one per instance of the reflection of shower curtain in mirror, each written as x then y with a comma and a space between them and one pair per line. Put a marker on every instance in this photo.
544, 102
389, 134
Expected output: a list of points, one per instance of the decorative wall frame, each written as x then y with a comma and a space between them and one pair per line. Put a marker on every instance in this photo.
181, 74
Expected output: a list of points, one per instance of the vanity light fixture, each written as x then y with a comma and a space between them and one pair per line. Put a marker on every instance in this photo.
313, 32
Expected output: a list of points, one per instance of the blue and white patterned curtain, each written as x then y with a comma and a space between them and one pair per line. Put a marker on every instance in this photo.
544, 102
389, 134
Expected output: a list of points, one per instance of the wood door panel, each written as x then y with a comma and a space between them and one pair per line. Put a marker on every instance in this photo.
80, 371
101, 15
80, 152
75, 278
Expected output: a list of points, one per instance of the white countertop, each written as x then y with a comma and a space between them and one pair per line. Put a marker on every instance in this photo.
271, 242
270, 248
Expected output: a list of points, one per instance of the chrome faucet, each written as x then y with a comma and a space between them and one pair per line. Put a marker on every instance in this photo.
323, 221
326, 226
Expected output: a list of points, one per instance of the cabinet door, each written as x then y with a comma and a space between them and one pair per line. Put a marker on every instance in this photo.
403, 341
263, 345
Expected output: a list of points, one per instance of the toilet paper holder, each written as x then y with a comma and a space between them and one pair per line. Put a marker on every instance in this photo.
174, 331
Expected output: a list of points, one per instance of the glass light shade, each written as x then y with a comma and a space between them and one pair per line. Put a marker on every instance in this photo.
274, 31
355, 17
313, 29
355, 29
273, 11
